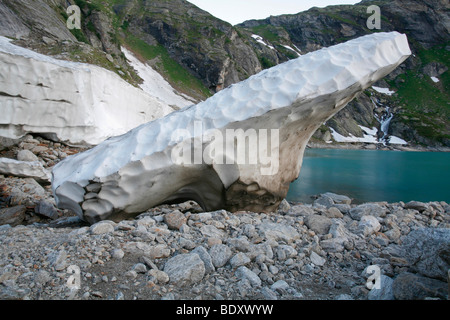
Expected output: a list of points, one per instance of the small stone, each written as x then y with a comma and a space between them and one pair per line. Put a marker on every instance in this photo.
284, 206
416, 205
372, 209
220, 254
316, 259
245, 273
102, 227
46, 209
384, 291
26, 155
175, 219
239, 259
140, 268
13, 216
118, 254
368, 225
131, 274
319, 224
160, 276
334, 212
280, 286
185, 269
206, 258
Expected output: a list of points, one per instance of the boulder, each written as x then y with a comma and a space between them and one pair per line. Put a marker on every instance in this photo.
185, 269
12, 216
409, 286
25, 169
200, 153
428, 252
372, 209
317, 223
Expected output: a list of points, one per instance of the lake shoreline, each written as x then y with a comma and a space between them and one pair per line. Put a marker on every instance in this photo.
178, 252
372, 146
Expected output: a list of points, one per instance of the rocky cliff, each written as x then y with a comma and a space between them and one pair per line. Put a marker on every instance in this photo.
417, 104
200, 54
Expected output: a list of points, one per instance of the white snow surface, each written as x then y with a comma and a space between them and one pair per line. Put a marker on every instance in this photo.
383, 90
324, 72
154, 84
79, 103
260, 39
397, 140
436, 80
370, 136
290, 48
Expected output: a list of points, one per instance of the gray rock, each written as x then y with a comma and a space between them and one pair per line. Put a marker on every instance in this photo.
334, 213
344, 208
428, 252
118, 254
368, 225
58, 259
46, 209
175, 219
319, 224
284, 252
239, 259
280, 286
316, 259
337, 198
416, 205
324, 201
160, 276
26, 155
206, 258
334, 244
25, 169
372, 209
278, 232
409, 286
284, 206
140, 268
220, 254
13, 216
385, 292
185, 269
245, 273
300, 211
268, 294
212, 232
102, 227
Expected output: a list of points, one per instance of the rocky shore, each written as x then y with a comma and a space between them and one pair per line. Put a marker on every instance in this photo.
329, 250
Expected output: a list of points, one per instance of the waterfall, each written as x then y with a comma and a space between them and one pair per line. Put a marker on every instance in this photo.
384, 120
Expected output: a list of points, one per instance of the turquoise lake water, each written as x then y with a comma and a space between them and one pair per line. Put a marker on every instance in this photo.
373, 175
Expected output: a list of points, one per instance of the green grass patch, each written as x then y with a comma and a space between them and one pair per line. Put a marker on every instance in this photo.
172, 71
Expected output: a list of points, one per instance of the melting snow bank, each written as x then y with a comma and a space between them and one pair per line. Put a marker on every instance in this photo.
383, 90
74, 102
128, 174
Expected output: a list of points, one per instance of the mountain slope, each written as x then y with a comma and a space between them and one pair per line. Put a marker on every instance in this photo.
420, 104
199, 54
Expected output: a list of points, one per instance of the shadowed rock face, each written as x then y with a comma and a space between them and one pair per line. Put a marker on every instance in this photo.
238, 150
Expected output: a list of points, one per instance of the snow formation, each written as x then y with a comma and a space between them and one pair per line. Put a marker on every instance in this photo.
155, 85
126, 175
73, 102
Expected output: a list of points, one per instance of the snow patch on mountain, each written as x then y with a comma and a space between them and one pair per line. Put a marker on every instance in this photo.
155, 85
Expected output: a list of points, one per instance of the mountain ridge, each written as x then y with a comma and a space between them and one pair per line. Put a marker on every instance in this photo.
200, 54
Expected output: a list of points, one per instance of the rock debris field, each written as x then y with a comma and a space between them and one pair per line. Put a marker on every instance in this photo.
331, 249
